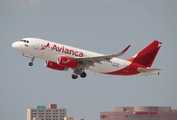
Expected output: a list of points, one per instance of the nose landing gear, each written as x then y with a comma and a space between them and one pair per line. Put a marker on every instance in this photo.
32, 59
31, 63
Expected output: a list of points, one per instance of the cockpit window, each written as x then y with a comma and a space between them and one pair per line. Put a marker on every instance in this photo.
26, 41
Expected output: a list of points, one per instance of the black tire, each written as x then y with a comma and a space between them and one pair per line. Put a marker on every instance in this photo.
74, 76
30, 64
83, 75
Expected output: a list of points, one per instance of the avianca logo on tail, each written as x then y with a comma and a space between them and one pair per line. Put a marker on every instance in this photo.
63, 49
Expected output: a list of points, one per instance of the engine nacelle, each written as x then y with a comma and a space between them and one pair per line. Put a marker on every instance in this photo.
55, 66
67, 62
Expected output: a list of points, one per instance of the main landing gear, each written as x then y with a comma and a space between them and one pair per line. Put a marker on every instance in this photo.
31, 63
82, 75
78, 71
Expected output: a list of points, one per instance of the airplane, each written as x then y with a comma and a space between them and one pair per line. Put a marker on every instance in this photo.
62, 57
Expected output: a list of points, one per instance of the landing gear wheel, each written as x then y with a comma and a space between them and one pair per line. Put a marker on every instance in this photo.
83, 75
74, 76
31, 64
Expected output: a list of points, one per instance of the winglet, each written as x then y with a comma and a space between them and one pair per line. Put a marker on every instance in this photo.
122, 52
125, 49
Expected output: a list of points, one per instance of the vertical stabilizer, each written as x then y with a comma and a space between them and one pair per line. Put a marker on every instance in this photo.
147, 55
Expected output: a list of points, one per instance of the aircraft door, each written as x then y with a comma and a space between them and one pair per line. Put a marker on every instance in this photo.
36, 44
38, 52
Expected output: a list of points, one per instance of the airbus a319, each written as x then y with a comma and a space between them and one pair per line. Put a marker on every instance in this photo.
62, 57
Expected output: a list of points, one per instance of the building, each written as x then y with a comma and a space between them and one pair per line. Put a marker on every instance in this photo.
36, 118
43, 113
68, 118
140, 113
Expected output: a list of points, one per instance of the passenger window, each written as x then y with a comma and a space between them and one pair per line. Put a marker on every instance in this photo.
27, 41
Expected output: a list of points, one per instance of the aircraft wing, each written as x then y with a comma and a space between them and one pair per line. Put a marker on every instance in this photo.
89, 61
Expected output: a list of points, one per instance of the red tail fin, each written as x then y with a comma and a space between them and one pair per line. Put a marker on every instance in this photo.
147, 55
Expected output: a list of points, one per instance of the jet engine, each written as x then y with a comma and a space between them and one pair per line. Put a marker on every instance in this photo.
67, 62
55, 66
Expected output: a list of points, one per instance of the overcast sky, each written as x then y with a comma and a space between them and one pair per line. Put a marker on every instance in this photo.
103, 26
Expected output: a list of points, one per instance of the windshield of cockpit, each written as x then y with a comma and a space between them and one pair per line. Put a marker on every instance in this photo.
26, 41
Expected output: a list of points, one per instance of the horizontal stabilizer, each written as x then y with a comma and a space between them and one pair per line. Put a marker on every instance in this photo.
148, 69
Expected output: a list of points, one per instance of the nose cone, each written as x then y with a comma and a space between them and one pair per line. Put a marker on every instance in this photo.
14, 45
18, 46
